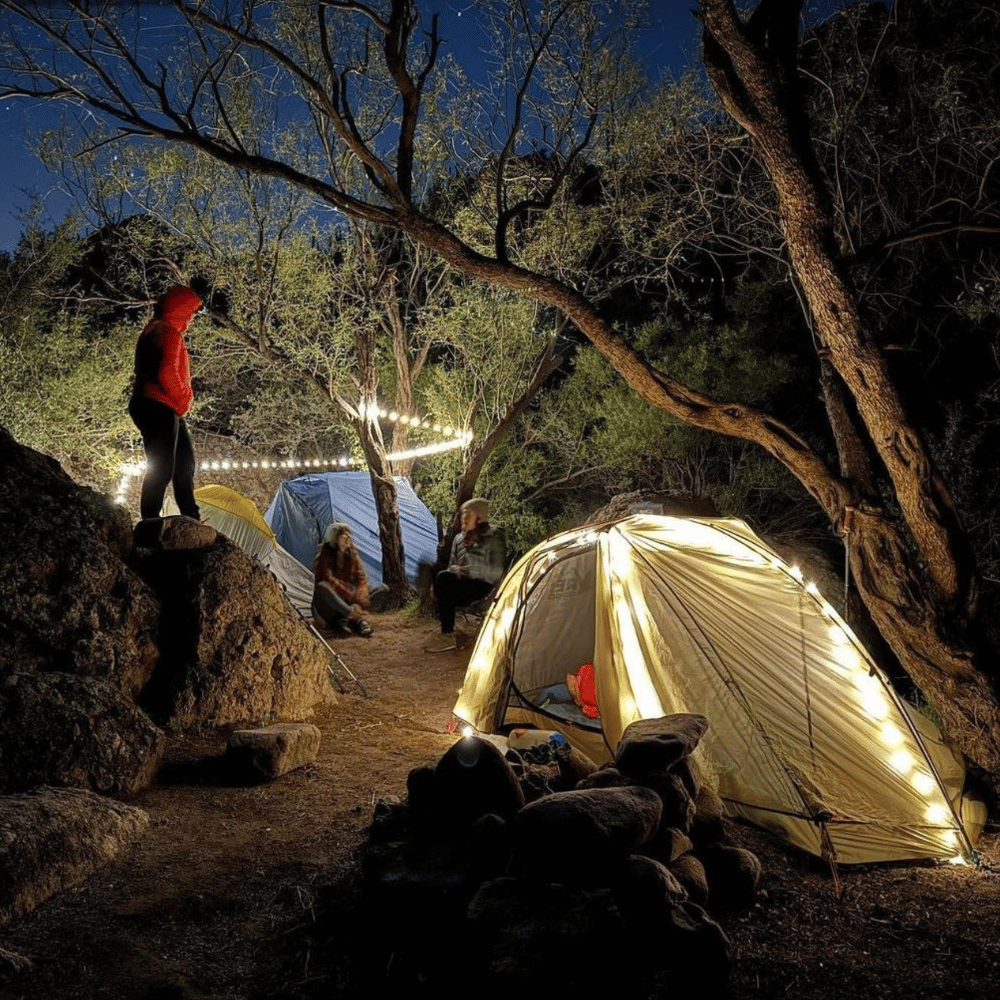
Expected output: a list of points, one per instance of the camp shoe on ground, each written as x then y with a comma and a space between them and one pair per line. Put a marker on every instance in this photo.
441, 644
362, 628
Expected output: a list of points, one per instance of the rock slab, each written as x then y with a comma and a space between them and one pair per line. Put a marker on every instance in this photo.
275, 750
55, 838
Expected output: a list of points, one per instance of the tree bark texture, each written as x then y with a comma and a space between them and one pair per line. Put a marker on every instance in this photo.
919, 582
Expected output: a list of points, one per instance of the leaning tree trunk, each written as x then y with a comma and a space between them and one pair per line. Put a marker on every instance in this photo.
390, 531
916, 577
932, 637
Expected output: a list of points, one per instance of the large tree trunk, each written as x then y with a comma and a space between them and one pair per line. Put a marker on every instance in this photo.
917, 578
390, 531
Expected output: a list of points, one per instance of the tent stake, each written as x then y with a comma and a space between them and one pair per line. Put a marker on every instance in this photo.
830, 856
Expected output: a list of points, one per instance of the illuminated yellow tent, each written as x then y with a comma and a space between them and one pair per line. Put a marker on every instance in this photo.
806, 737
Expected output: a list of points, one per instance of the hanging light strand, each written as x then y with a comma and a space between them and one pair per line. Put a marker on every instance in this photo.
454, 439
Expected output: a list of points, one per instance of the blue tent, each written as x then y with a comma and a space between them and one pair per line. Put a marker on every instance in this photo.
303, 507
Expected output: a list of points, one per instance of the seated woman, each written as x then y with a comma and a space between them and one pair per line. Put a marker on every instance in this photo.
478, 554
340, 591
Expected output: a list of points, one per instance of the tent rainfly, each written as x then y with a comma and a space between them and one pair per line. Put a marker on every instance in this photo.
303, 507
236, 517
806, 736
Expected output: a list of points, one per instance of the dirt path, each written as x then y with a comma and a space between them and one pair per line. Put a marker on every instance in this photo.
243, 893
190, 910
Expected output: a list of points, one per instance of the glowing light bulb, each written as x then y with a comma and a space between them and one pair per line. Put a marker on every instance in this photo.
468, 731
892, 735
796, 572
922, 782
936, 814
901, 761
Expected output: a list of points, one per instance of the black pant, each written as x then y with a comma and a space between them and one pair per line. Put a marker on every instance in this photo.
169, 457
456, 592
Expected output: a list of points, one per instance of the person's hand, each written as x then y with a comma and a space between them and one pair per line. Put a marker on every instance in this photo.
457, 570
356, 612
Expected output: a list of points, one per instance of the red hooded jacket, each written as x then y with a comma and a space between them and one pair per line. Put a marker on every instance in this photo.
162, 366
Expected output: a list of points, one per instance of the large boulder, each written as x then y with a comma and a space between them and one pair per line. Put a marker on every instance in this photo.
580, 835
59, 729
232, 649
55, 838
68, 602
655, 746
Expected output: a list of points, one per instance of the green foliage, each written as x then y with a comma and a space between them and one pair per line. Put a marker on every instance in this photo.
64, 369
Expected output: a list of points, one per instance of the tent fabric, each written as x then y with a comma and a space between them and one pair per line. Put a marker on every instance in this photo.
236, 517
806, 736
303, 507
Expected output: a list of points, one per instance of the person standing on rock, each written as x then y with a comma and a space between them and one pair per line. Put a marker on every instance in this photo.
161, 396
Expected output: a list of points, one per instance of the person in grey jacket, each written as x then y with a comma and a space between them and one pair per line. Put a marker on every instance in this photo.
478, 555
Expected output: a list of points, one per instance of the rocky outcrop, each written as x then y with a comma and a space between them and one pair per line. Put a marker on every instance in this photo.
232, 649
68, 601
55, 838
59, 729
92, 632
629, 867
646, 502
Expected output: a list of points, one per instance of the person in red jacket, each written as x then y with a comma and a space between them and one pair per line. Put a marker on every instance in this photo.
161, 396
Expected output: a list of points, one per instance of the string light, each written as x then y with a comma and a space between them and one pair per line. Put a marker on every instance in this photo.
456, 439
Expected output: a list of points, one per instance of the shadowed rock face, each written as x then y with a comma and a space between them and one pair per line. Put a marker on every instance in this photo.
74, 731
232, 649
68, 601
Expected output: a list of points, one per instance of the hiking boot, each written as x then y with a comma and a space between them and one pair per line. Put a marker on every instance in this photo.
441, 643
147, 533
342, 628
362, 628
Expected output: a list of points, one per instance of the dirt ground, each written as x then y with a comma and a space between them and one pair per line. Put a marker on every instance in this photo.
247, 892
